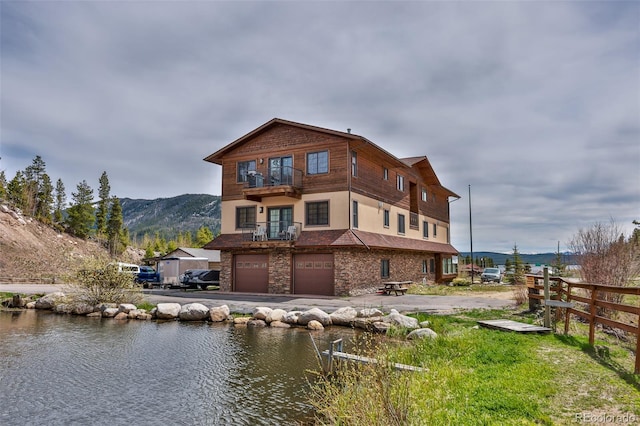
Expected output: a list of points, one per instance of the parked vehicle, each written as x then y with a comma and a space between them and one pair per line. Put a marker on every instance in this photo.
491, 274
203, 278
148, 277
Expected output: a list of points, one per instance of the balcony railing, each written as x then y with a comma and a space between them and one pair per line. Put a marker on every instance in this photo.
413, 220
272, 231
280, 181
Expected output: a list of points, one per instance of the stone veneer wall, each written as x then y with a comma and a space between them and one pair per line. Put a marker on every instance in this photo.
226, 266
280, 271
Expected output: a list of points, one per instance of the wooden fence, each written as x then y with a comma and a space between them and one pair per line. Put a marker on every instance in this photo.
581, 299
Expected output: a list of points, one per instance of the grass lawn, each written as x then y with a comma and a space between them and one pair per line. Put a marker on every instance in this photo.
478, 376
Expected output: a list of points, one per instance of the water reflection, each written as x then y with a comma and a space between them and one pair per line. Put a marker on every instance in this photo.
75, 370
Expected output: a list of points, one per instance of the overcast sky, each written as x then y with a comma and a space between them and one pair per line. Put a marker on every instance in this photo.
536, 105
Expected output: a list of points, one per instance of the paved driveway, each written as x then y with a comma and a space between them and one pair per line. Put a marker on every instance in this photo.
244, 303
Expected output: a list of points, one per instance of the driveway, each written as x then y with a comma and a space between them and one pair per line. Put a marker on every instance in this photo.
244, 303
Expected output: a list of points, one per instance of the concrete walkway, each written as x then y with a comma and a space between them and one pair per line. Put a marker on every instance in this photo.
244, 303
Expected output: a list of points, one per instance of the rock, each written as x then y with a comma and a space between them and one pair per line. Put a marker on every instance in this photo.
343, 316
94, 315
145, 317
194, 312
82, 309
256, 323
422, 333
279, 324
241, 321
121, 316
314, 314
380, 327
315, 325
291, 317
168, 310
400, 320
126, 307
110, 312
104, 306
362, 323
62, 308
275, 315
136, 313
31, 305
261, 312
50, 300
425, 324
370, 312
219, 313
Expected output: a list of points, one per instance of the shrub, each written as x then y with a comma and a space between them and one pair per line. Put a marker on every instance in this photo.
99, 282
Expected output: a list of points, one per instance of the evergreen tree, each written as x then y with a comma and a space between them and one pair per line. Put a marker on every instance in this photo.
171, 246
149, 253
3, 185
103, 205
114, 228
203, 236
44, 199
33, 175
16, 193
80, 216
59, 205
518, 267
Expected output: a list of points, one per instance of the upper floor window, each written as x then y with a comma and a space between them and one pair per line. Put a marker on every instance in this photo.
385, 173
354, 163
317, 213
355, 214
385, 218
244, 167
318, 162
435, 229
245, 217
401, 224
425, 229
400, 183
425, 194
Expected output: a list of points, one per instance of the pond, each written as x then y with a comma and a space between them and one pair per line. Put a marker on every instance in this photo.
60, 369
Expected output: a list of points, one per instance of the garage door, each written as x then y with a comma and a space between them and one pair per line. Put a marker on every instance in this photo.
251, 273
313, 274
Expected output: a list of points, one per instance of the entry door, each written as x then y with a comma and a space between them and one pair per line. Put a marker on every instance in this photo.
280, 218
281, 170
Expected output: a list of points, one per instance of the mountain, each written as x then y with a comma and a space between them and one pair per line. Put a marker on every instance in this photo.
534, 259
170, 216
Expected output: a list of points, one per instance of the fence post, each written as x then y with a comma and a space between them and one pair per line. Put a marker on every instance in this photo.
592, 316
637, 371
567, 312
547, 308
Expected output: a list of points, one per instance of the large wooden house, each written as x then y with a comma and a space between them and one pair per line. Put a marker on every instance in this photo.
308, 210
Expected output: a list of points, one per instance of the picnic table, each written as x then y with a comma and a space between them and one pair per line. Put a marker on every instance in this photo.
398, 287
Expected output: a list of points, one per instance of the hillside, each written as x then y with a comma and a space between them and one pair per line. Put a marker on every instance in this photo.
533, 259
170, 216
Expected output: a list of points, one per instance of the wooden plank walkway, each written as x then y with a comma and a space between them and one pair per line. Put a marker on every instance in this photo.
367, 360
518, 327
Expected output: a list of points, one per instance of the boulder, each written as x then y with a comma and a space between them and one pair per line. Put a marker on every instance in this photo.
31, 305
422, 333
194, 312
399, 320
241, 320
126, 307
380, 327
82, 309
370, 312
104, 306
168, 310
343, 316
314, 314
256, 323
291, 317
275, 315
315, 325
94, 315
219, 313
425, 324
137, 313
121, 316
50, 300
63, 308
110, 312
261, 313
279, 324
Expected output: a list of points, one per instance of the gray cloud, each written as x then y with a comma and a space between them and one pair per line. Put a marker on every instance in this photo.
535, 105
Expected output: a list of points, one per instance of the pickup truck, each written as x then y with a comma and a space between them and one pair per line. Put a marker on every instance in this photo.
148, 277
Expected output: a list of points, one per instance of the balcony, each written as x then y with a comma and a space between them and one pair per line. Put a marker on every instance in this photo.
281, 181
268, 233
413, 220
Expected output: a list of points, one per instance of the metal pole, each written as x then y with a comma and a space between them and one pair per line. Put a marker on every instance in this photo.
470, 234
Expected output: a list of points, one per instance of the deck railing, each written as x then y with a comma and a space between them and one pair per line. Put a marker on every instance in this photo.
277, 176
272, 231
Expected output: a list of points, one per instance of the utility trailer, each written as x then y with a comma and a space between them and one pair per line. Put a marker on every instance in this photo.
171, 268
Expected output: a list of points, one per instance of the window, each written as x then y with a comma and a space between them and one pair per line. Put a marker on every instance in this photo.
355, 214
432, 265
424, 266
400, 183
244, 167
317, 162
385, 173
435, 229
354, 163
317, 213
425, 194
425, 229
400, 224
385, 218
384, 268
245, 217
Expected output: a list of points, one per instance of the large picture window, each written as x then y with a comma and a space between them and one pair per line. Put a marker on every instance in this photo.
245, 217
317, 213
318, 162
244, 167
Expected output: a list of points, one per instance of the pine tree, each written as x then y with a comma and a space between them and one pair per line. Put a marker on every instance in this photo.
203, 236
80, 213
114, 229
60, 202
518, 267
33, 175
3, 185
103, 205
44, 200
16, 193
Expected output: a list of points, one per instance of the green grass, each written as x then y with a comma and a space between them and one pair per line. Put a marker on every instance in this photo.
146, 306
445, 290
478, 376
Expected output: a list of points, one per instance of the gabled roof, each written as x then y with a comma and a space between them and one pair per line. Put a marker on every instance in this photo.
423, 167
212, 255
